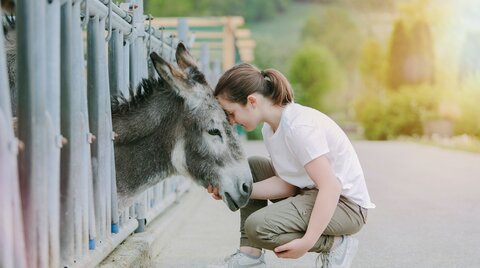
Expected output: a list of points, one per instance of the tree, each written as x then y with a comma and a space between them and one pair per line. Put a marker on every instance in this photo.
398, 52
421, 54
335, 28
411, 55
372, 63
313, 73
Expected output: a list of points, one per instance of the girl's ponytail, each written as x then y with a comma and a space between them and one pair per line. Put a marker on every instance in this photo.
244, 79
278, 86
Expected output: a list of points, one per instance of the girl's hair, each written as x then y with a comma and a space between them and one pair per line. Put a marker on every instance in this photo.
244, 79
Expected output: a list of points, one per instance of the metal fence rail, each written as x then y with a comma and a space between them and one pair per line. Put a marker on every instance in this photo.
60, 210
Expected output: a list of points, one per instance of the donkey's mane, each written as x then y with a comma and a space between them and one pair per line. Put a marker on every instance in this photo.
8, 24
139, 97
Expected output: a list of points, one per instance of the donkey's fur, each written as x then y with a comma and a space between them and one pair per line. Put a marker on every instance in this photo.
8, 6
10, 42
174, 125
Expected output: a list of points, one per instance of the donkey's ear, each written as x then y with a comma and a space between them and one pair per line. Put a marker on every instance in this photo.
164, 69
161, 66
184, 59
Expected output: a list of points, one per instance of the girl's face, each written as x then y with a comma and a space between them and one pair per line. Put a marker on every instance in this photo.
245, 115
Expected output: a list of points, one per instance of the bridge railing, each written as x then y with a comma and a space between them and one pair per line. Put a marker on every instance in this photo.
58, 198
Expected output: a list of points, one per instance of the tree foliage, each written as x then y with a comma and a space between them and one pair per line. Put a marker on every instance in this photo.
313, 73
372, 63
411, 57
389, 114
336, 29
397, 55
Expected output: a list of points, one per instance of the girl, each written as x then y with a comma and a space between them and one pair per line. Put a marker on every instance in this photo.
314, 177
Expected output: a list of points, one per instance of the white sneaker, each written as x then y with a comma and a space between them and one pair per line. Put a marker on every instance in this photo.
241, 260
340, 257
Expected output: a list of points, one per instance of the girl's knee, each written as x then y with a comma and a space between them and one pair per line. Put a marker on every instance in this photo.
257, 229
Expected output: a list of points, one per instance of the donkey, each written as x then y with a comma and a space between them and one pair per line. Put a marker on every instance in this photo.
174, 125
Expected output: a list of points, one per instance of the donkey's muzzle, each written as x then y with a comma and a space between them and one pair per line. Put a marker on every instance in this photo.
238, 197
236, 184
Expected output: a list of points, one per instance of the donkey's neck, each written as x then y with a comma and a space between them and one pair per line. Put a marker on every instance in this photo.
148, 126
154, 106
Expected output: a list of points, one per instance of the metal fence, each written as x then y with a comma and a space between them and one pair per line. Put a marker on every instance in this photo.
58, 192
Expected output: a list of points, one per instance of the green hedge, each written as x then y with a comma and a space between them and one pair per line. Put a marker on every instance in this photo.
467, 102
313, 73
386, 115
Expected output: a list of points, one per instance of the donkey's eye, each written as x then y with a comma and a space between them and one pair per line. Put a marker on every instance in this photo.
215, 132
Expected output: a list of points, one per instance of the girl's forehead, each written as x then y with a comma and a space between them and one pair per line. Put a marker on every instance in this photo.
224, 102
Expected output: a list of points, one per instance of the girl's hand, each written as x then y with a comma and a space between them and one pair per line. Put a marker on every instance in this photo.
214, 192
293, 249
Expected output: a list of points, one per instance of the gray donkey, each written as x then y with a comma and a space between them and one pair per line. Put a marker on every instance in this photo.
174, 125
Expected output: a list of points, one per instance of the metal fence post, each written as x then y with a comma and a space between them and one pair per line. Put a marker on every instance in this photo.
138, 71
115, 62
75, 158
12, 248
126, 67
81, 203
98, 123
54, 137
67, 173
31, 62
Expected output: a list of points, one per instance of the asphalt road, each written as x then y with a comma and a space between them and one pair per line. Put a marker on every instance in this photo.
427, 213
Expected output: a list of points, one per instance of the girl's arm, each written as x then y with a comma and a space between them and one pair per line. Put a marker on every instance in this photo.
271, 188
329, 190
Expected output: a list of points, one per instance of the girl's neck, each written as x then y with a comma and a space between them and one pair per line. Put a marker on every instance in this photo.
273, 115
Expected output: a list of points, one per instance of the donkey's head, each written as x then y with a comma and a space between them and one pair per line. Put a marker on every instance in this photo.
207, 148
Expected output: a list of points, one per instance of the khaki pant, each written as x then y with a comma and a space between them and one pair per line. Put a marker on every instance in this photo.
263, 226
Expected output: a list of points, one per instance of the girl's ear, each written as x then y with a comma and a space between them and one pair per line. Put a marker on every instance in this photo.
252, 99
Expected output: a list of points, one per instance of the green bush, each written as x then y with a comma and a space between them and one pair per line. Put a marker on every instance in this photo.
387, 115
468, 120
372, 63
314, 72
370, 112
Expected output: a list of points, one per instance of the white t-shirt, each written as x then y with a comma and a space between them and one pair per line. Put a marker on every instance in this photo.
303, 135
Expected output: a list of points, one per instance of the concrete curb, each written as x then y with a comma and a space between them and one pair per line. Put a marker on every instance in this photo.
139, 249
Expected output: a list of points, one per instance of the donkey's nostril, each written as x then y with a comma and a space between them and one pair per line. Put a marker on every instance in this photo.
246, 188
